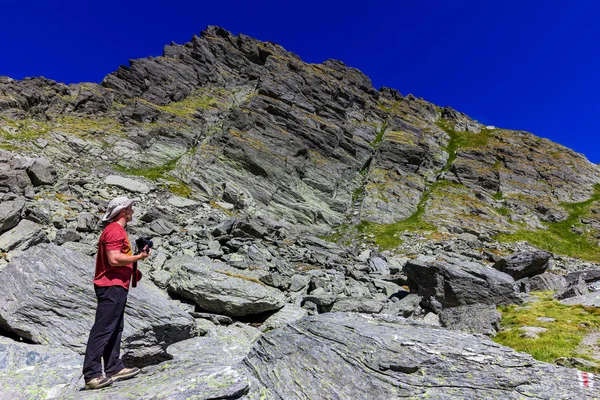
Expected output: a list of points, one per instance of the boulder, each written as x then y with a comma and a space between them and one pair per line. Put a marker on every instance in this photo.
14, 181
86, 222
56, 305
456, 283
406, 306
589, 276
524, 264
127, 184
22, 237
289, 313
473, 318
358, 304
41, 172
183, 202
589, 300
66, 235
162, 227
573, 289
378, 265
548, 281
215, 288
359, 356
10, 214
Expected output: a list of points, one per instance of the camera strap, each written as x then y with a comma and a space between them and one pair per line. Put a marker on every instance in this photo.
134, 273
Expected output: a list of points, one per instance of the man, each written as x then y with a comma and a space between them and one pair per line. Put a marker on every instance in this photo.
114, 268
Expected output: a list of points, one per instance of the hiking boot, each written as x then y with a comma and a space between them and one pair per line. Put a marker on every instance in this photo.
125, 373
98, 382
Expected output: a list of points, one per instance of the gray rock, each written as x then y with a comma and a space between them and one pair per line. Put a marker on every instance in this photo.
86, 222
10, 214
289, 313
589, 300
127, 184
203, 368
405, 307
524, 264
352, 351
57, 305
474, 318
32, 371
574, 362
573, 289
378, 265
588, 276
162, 227
25, 235
41, 172
442, 284
14, 181
182, 202
218, 290
533, 329
548, 281
66, 235
545, 319
431, 319
358, 304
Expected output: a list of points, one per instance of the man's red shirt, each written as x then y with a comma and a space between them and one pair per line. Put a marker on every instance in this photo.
113, 237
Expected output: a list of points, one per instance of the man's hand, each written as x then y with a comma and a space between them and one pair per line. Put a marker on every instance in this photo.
118, 259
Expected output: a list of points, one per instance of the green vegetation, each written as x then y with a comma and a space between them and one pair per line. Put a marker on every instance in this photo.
203, 98
503, 211
153, 173
24, 130
176, 186
375, 143
558, 237
386, 235
563, 335
498, 195
459, 140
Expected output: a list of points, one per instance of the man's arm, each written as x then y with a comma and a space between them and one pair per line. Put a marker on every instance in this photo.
118, 259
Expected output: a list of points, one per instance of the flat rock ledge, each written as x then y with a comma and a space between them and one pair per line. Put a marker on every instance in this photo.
328, 356
358, 356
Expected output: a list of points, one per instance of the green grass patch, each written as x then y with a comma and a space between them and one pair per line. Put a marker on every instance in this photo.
375, 143
498, 195
460, 140
180, 188
153, 173
387, 237
558, 237
503, 211
24, 130
563, 336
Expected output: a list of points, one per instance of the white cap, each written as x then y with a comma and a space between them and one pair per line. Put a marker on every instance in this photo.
115, 206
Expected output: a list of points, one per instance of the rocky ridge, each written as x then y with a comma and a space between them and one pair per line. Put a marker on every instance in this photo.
291, 196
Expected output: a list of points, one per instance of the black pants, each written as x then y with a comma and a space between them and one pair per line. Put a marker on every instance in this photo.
105, 338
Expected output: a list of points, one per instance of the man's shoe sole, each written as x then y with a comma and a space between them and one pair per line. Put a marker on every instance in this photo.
116, 378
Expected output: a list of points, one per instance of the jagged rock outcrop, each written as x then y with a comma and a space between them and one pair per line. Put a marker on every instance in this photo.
450, 284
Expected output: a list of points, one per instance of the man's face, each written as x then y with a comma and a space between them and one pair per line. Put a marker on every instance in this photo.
129, 213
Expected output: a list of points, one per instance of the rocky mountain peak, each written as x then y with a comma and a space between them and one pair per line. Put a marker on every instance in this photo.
276, 189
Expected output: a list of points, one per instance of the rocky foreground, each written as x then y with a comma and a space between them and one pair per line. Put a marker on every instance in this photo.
314, 237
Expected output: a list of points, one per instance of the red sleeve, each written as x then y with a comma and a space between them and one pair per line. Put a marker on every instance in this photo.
114, 240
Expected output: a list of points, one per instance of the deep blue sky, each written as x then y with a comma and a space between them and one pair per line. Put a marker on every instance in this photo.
528, 65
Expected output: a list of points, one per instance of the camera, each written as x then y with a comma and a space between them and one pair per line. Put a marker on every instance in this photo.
141, 243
